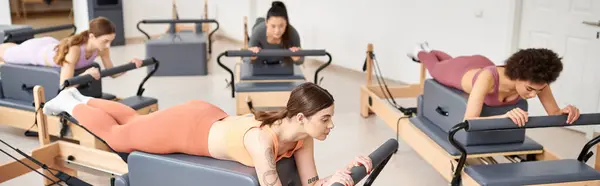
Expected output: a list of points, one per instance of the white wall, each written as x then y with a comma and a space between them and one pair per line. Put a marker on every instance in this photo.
229, 13
80, 15
5, 17
394, 26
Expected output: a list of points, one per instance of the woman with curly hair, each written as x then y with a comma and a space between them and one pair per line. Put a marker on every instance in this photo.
526, 74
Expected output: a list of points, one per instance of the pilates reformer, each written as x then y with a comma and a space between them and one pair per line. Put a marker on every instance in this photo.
426, 127
61, 162
180, 27
265, 95
17, 95
181, 53
21, 33
550, 172
247, 71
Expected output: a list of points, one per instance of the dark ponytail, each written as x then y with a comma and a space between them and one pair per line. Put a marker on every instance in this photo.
307, 98
278, 10
278, 4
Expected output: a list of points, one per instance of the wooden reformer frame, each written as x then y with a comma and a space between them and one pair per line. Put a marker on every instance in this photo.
24, 119
187, 27
60, 155
372, 102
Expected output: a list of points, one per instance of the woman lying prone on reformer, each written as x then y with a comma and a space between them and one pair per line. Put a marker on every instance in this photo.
202, 129
69, 54
526, 74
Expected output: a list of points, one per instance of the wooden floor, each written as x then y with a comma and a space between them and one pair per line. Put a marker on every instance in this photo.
352, 136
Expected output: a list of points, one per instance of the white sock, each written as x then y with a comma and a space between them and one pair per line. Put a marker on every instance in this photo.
63, 102
425, 46
77, 95
414, 53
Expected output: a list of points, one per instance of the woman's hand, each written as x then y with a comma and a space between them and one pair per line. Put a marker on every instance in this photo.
138, 62
518, 116
341, 176
361, 160
94, 72
573, 113
295, 49
254, 50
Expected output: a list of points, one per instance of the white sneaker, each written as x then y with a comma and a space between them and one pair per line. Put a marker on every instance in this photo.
425, 46
414, 53
63, 102
77, 95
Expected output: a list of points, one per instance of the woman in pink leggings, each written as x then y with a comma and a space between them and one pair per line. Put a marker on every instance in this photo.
526, 74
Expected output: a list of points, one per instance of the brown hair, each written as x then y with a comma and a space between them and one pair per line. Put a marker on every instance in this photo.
538, 65
98, 26
307, 98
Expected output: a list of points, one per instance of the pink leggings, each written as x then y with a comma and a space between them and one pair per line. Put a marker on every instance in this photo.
449, 71
182, 128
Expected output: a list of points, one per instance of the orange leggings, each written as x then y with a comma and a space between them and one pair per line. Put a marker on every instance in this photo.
182, 128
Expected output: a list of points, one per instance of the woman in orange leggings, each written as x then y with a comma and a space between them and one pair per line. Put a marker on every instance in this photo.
202, 129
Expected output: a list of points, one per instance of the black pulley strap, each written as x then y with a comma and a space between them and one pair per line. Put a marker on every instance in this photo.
366, 59
64, 127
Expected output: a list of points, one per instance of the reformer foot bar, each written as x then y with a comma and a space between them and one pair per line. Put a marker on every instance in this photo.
251, 95
172, 22
21, 35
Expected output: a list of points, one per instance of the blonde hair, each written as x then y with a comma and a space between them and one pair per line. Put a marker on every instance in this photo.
98, 26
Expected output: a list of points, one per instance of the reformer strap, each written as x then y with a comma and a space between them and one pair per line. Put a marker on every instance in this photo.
384, 88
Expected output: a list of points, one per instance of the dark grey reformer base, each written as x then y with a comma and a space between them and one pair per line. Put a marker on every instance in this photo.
247, 70
180, 54
182, 169
445, 107
17, 77
441, 138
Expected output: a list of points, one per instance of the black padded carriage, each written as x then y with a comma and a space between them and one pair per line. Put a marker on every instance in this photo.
182, 169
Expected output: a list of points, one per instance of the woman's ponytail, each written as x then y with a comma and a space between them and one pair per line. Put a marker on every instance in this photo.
278, 9
63, 47
278, 4
268, 118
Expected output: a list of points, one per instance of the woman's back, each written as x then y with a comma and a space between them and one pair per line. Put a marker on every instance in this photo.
41, 52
